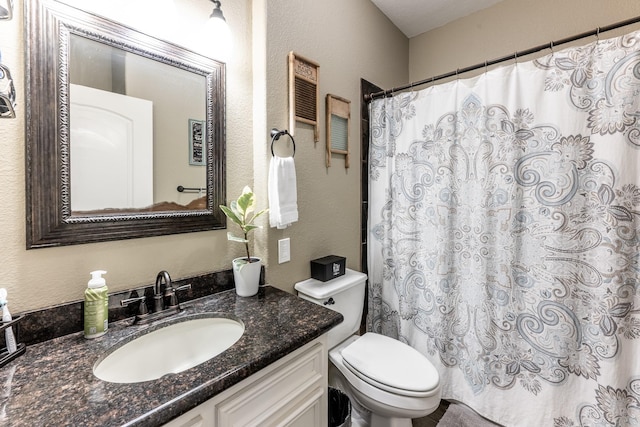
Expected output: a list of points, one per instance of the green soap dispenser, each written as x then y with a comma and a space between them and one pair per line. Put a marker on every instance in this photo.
96, 306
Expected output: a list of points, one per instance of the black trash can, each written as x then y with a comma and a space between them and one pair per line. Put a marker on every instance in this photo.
339, 408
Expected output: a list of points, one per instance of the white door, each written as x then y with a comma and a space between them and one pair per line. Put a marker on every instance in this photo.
111, 150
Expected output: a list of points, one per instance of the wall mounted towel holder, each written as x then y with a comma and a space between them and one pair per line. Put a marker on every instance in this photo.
276, 134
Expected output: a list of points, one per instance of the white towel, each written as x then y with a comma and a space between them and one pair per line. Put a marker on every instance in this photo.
283, 192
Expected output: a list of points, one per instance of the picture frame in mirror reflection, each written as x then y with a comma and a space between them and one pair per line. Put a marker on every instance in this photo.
197, 146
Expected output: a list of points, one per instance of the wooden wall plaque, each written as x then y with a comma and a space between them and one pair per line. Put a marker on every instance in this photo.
303, 92
338, 124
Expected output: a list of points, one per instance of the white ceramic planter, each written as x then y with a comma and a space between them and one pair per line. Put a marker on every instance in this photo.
246, 276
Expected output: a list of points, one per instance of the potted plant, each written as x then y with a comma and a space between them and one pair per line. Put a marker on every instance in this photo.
246, 270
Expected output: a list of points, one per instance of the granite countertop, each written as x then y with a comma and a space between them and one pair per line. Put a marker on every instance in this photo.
53, 384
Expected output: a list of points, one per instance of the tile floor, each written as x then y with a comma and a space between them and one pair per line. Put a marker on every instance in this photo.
432, 419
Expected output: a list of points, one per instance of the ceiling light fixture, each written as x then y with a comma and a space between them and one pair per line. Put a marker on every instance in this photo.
217, 12
6, 10
218, 30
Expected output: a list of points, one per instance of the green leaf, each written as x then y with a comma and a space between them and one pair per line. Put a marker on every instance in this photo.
239, 212
233, 238
249, 227
231, 215
246, 202
236, 210
258, 214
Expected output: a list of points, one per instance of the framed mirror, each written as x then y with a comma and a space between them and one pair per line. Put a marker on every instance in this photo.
125, 133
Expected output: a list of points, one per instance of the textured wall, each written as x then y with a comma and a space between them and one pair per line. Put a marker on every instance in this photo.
510, 26
44, 277
350, 40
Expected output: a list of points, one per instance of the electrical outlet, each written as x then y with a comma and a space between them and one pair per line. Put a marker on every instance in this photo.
284, 250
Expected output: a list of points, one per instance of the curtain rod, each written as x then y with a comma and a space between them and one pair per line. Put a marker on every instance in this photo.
550, 45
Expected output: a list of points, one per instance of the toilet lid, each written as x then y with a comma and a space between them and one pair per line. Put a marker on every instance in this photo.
390, 365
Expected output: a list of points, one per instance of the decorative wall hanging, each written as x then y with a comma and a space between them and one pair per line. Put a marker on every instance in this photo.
303, 93
338, 120
6, 9
7, 93
197, 154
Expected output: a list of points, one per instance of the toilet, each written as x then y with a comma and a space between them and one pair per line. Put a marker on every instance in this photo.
390, 382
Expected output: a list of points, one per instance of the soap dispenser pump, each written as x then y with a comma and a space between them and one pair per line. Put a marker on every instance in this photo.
96, 306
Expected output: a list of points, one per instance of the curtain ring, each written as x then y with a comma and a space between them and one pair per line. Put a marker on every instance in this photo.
485, 66
597, 34
551, 47
457, 71
515, 57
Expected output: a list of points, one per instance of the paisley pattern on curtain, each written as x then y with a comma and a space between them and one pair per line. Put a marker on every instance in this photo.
504, 235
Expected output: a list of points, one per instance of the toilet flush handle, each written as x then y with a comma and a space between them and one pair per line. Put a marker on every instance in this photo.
330, 301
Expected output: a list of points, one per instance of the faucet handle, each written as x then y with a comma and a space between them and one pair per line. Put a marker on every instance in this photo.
183, 287
173, 299
142, 308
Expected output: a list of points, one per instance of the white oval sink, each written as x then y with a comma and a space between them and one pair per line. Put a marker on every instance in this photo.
169, 350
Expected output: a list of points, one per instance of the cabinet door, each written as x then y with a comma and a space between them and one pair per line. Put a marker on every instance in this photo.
290, 392
294, 389
200, 416
310, 413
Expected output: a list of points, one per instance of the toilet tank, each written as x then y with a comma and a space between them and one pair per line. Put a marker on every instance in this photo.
344, 294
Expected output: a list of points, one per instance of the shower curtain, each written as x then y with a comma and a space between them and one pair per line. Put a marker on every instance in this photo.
504, 235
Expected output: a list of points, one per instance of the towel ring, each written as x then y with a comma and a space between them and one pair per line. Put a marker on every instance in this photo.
276, 134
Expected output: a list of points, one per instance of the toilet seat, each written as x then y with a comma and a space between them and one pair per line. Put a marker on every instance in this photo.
390, 365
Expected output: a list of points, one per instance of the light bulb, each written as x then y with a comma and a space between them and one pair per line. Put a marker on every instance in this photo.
217, 37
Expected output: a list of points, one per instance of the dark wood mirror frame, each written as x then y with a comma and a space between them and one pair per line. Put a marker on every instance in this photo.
49, 219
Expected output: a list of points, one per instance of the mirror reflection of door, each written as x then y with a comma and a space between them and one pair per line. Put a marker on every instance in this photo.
177, 97
111, 150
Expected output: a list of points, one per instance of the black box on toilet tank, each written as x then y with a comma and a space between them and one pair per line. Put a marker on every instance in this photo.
327, 268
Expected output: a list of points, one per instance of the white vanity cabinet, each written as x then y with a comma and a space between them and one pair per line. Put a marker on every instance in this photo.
290, 392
